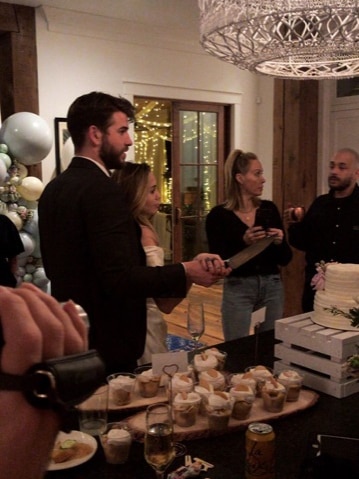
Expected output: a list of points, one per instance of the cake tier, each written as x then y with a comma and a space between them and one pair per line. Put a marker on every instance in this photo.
320, 315
342, 281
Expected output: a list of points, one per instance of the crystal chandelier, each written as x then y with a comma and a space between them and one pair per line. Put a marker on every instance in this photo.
295, 39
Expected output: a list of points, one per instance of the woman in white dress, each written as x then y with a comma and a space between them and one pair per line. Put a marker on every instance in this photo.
139, 186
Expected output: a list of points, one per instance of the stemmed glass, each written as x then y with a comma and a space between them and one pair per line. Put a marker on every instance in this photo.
195, 321
159, 447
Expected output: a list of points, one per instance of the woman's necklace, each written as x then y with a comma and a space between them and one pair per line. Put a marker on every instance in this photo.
246, 213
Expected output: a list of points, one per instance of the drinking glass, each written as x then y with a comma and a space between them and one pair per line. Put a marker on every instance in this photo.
159, 447
195, 321
92, 412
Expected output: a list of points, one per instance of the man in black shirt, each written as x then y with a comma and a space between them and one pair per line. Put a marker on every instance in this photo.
330, 229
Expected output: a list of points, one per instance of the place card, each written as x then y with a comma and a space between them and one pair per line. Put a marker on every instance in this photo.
170, 363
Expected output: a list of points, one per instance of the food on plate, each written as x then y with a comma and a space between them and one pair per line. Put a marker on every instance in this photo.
69, 450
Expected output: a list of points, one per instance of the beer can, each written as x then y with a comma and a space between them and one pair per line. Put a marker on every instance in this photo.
260, 451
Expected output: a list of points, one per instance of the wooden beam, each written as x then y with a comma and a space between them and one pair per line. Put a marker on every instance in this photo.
18, 58
295, 149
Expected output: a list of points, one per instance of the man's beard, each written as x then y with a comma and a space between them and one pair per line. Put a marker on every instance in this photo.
342, 185
110, 157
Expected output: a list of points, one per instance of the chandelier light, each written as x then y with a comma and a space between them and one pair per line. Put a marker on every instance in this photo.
295, 39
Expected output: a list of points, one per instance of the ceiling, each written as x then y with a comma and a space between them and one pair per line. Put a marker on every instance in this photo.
161, 15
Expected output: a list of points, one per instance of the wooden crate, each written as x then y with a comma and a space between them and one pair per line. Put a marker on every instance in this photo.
318, 353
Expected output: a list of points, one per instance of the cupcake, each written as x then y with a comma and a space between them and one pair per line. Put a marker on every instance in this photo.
148, 383
121, 387
221, 357
243, 398
292, 382
274, 395
204, 361
204, 389
243, 378
116, 442
185, 408
219, 410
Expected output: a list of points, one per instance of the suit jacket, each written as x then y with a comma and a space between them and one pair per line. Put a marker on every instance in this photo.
92, 254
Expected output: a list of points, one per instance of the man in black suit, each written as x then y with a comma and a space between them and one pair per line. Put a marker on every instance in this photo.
90, 243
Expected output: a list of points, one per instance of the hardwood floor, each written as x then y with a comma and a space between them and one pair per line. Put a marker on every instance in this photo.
211, 298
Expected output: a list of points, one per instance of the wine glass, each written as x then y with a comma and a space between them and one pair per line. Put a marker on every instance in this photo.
159, 447
195, 321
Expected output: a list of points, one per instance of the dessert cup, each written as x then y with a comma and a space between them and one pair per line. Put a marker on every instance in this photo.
243, 398
215, 378
185, 408
261, 374
121, 387
116, 442
274, 396
204, 389
293, 383
148, 383
181, 383
204, 361
219, 410
243, 378
221, 357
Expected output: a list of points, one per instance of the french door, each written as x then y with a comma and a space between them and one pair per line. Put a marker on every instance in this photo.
197, 171
185, 144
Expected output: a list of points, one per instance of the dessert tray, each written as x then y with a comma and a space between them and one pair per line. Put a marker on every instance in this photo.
307, 398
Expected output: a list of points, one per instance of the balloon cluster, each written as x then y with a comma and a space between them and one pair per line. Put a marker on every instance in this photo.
25, 139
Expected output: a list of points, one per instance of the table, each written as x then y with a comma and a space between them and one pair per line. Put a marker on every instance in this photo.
295, 434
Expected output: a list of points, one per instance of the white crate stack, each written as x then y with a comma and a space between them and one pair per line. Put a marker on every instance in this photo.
316, 352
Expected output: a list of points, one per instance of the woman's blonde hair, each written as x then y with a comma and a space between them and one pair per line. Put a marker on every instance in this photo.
237, 162
133, 178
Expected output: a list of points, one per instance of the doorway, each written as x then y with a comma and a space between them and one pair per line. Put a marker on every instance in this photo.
185, 143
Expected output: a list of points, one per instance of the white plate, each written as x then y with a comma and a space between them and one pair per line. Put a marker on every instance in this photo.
80, 437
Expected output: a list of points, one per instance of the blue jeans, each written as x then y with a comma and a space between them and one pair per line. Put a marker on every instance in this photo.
243, 295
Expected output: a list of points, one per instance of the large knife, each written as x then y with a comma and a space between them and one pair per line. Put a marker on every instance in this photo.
250, 252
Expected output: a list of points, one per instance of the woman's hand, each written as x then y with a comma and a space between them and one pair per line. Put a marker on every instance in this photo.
279, 235
253, 234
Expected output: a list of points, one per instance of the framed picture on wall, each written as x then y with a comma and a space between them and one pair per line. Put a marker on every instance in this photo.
63, 145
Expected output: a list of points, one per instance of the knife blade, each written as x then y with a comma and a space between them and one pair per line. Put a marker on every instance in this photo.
248, 253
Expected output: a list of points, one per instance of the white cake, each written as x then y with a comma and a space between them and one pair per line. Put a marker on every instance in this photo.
341, 292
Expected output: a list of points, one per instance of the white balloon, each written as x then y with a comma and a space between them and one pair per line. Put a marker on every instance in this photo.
31, 188
28, 137
3, 173
40, 279
31, 225
16, 219
29, 244
6, 159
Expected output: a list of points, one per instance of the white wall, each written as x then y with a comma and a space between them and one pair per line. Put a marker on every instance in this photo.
72, 64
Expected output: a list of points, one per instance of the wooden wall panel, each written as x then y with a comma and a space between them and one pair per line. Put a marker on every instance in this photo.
295, 147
